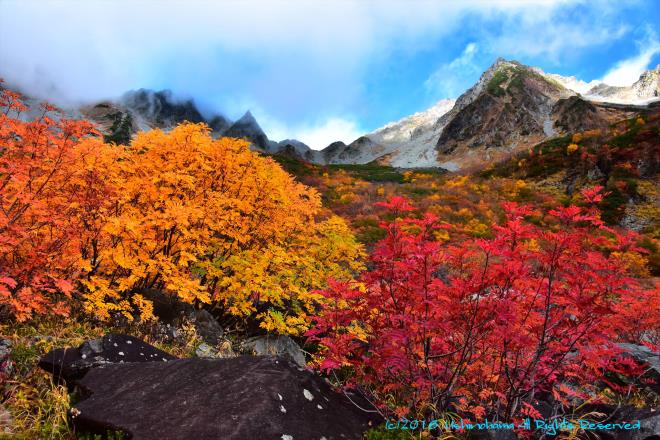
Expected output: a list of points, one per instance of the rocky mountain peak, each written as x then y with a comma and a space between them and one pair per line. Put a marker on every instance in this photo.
160, 108
247, 118
648, 84
248, 128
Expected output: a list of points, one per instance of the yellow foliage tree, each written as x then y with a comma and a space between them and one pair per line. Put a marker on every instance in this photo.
210, 221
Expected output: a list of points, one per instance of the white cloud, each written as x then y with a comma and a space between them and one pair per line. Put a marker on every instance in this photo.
332, 130
316, 136
453, 78
627, 71
298, 59
554, 37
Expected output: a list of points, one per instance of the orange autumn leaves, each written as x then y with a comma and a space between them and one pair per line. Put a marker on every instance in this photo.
204, 219
37, 160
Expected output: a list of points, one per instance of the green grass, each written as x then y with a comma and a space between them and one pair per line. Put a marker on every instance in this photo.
494, 86
295, 166
371, 172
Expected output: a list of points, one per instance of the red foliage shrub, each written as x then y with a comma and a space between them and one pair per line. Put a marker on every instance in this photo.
483, 326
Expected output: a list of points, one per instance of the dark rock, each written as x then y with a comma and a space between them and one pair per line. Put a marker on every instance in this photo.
649, 422
161, 108
71, 364
230, 399
166, 307
207, 326
172, 312
275, 346
219, 124
576, 114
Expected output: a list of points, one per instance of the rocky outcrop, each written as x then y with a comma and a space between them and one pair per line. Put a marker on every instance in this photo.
203, 399
71, 364
248, 128
511, 106
160, 109
296, 149
360, 151
644, 90
576, 114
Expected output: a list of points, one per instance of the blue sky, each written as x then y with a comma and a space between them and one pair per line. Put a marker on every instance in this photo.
317, 70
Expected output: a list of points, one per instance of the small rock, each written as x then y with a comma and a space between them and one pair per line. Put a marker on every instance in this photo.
275, 346
223, 350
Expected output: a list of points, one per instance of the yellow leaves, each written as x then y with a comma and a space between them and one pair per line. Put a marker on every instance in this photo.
285, 275
576, 138
145, 307
441, 235
632, 261
275, 322
572, 148
532, 245
458, 181
477, 229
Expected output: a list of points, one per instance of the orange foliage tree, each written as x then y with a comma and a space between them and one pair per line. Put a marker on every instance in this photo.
39, 238
204, 219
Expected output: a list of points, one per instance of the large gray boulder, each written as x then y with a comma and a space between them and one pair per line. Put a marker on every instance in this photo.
208, 399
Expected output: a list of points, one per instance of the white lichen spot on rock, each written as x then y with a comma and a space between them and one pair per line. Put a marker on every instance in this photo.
319, 406
129, 342
282, 408
279, 395
84, 356
287, 437
121, 353
115, 344
308, 395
